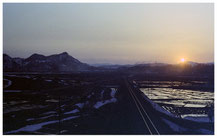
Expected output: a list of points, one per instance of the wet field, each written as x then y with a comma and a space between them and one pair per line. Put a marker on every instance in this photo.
181, 98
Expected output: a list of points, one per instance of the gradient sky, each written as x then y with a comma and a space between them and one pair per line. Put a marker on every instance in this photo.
111, 33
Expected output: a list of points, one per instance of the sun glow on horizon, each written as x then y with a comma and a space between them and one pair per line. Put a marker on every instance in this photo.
182, 60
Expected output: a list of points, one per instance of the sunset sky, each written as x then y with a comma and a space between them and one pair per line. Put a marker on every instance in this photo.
111, 33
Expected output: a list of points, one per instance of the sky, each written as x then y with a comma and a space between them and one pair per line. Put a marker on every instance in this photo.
111, 33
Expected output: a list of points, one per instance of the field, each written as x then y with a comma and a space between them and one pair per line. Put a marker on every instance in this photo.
47, 103
193, 100
98, 103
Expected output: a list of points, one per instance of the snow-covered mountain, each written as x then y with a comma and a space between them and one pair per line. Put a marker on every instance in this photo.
59, 62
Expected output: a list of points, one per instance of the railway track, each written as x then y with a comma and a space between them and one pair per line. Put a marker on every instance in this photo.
152, 129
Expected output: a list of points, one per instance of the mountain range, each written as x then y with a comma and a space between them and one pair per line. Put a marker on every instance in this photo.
62, 62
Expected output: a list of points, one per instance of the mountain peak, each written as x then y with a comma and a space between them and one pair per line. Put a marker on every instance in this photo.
5, 55
64, 53
35, 56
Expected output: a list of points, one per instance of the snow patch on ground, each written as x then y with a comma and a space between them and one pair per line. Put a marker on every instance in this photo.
63, 131
80, 105
52, 100
102, 92
30, 119
89, 96
45, 117
101, 103
113, 92
9, 83
62, 105
195, 105
25, 107
35, 127
174, 126
11, 75
112, 100
11, 90
50, 112
198, 118
69, 118
27, 76
72, 112
32, 128
158, 107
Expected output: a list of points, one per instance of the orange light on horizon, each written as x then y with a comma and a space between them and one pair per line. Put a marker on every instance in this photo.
182, 60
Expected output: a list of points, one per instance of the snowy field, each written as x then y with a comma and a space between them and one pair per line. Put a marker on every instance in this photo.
188, 104
47, 119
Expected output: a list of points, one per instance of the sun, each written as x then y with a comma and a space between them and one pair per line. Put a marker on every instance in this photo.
182, 60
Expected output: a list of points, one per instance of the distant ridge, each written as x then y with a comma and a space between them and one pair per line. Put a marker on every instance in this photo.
62, 62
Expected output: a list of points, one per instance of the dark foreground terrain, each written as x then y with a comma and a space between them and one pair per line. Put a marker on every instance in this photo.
99, 103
